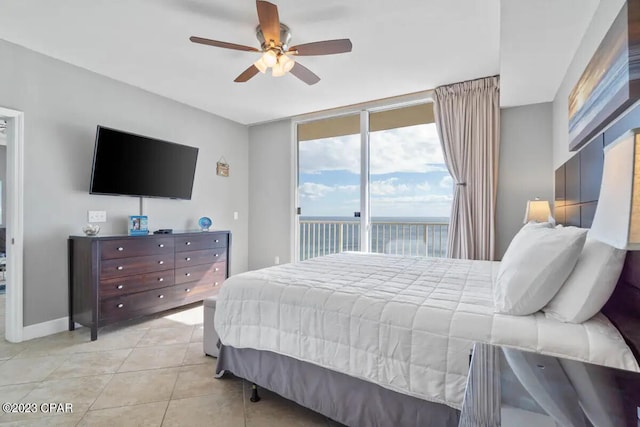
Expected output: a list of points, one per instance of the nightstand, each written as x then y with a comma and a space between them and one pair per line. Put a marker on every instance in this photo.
510, 387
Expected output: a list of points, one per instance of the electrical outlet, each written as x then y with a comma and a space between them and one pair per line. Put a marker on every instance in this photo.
276, 260
235, 215
97, 216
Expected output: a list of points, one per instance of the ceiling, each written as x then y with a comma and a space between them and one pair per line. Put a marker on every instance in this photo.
399, 47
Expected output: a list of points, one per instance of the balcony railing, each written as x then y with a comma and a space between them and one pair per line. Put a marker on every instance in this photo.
319, 237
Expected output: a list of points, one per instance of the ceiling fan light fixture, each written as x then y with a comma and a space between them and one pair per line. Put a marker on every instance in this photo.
270, 58
275, 49
260, 65
286, 62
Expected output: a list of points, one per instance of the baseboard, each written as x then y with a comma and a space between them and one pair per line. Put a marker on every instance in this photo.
43, 329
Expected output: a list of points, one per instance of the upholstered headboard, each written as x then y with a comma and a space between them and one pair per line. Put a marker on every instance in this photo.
576, 196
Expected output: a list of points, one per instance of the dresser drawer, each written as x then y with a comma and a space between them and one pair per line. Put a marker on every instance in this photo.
125, 285
128, 306
216, 272
196, 291
205, 256
135, 247
137, 265
204, 241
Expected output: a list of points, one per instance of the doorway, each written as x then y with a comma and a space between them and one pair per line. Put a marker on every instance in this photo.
12, 213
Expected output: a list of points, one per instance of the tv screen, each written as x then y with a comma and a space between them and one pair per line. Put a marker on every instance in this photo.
134, 165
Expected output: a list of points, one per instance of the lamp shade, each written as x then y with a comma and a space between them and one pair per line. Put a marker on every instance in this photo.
286, 62
537, 210
278, 70
260, 65
617, 218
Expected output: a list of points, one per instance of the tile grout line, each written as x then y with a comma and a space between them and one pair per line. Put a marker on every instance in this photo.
125, 359
98, 395
166, 409
173, 389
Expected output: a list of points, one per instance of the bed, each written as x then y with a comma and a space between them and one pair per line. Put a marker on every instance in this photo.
339, 332
380, 340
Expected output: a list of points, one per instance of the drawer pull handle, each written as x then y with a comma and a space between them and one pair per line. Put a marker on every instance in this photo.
216, 255
120, 249
161, 245
217, 269
187, 274
120, 267
160, 279
160, 262
120, 286
187, 290
188, 243
187, 259
216, 283
161, 296
120, 305
217, 240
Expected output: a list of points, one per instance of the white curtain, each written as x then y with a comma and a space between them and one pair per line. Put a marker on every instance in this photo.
467, 116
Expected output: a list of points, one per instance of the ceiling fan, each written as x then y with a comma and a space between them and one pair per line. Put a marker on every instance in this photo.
274, 38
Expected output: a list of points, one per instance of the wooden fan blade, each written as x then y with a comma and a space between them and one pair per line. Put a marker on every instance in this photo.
225, 45
304, 74
247, 74
327, 47
269, 21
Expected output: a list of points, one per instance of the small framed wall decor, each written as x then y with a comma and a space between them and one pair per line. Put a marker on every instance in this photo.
222, 167
138, 225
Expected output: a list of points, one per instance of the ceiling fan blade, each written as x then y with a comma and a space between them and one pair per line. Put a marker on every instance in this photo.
304, 74
269, 21
327, 47
247, 74
225, 45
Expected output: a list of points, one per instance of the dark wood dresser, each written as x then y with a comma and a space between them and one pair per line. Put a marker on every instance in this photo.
114, 278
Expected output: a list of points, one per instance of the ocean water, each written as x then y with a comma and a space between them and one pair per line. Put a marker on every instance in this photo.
419, 236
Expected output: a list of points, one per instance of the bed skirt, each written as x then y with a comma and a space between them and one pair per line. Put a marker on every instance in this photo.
348, 400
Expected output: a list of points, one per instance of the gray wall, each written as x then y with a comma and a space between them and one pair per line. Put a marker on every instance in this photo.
525, 173
600, 24
270, 198
526, 167
62, 105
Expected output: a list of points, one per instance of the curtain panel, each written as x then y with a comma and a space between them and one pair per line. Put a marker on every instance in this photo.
467, 116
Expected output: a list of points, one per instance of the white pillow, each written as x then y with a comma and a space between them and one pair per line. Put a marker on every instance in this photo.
590, 285
536, 264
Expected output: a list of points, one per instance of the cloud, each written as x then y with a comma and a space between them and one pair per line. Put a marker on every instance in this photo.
446, 182
407, 149
387, 187
427, 198
348, 188
424, 187
313, 190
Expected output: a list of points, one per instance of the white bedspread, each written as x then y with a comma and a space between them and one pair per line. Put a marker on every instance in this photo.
407, 324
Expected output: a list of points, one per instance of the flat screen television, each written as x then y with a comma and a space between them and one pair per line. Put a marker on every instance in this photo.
133, 165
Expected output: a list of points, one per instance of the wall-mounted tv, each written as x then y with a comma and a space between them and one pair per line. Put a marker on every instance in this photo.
134, 165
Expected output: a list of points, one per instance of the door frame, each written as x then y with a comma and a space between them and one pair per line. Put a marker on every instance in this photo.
14, 322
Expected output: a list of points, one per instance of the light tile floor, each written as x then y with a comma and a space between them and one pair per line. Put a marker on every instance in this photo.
149, 372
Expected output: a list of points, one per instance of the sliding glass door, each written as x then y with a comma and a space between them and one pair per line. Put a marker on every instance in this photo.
373, 181
329, 186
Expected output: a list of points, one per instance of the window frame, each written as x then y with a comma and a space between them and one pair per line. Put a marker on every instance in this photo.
364, 110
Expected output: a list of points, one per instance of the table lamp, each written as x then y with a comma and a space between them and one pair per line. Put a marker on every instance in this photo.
537, 210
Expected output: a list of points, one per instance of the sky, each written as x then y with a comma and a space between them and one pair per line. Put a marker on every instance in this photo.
408, 177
